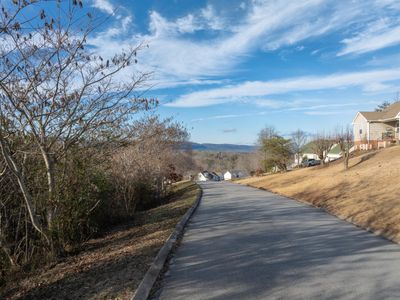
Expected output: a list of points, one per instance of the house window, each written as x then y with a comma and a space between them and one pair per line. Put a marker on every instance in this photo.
360, 131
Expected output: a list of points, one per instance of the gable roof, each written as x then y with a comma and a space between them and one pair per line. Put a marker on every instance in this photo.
335, 150
234, 172
389, 113
308, 148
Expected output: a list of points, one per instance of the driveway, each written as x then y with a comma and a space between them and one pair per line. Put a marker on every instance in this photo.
245, 243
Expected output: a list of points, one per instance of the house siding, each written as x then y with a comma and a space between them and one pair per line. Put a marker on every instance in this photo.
360, 129
375, 131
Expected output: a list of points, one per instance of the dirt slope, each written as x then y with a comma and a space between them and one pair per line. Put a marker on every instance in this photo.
368, 193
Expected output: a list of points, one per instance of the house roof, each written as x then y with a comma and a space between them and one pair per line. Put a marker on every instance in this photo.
335, 149
234, 171
308, 148
389, 113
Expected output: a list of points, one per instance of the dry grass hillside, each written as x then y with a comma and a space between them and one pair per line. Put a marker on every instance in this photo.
367, 194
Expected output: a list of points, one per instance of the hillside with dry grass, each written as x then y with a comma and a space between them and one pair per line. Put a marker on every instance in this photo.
368, 194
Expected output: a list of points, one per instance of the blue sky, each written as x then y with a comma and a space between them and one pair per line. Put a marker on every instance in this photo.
227, 68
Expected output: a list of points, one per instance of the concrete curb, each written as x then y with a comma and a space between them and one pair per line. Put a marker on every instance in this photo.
145, 286
378, 233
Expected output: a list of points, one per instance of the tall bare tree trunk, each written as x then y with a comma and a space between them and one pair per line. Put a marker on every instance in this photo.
49, 163
346, 159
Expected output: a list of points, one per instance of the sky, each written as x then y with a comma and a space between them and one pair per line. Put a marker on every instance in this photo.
228, 68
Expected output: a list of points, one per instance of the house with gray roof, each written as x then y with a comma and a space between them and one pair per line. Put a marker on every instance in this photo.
377, 129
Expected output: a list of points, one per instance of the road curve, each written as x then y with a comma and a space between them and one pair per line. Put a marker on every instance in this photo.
244, 243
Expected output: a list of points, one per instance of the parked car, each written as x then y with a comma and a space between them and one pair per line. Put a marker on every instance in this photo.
310, 162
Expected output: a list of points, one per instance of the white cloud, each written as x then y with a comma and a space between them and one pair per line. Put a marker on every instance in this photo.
176, 55
256, 89
326, 112
302, 106
379, 34
104, 5
268, 103
384, 60
212, 20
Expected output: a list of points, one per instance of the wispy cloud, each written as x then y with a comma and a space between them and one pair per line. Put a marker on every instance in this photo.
304, 106
377, 79
229, 116
230, 130
384, 60
174, 55
104, 5
379, 34
326, 112
176, 51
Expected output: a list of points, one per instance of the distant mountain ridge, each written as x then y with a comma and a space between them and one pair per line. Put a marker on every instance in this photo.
222, 147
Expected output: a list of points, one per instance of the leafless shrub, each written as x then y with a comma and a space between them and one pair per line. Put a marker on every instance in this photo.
155, 151
344, 138
321, 144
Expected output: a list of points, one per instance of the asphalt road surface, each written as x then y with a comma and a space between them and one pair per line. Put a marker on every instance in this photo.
244, 243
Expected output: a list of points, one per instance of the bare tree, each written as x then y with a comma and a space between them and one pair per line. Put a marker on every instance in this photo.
321, 144
344, 138
267, 132
56, 92
155, 150
299, 139
383, 106
248, 162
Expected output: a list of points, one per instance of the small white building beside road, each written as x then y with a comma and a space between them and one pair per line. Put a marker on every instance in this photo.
201, 177
229, 175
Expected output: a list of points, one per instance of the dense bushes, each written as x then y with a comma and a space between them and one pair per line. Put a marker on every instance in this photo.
95, 188
82, 186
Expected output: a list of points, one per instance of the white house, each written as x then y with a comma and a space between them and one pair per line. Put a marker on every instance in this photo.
377, 129
229, 175
333, 154
201, 177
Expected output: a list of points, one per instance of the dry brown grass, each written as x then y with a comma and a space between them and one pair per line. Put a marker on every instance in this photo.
367, 194
110, 267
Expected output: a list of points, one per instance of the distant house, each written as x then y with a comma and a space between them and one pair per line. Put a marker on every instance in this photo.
208, 176
201, 177
333, 154
229, 175
216, 176
376, 129
307, 153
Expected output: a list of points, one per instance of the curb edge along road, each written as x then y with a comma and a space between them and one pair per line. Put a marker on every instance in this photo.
145, 286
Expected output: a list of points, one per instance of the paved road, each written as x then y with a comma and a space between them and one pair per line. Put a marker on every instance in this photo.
244, 243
